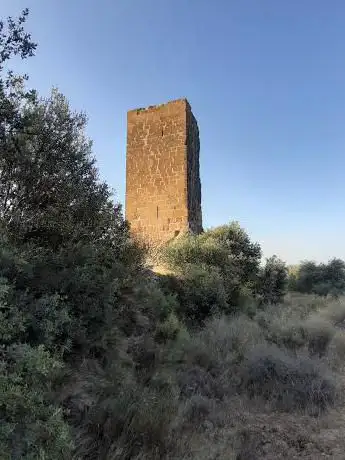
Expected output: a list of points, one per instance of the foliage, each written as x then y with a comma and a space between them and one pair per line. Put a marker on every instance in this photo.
67, 263
98, 357
321, 279
272, 281
200, 293
51, 193
217, 270
168, 329
292, 383
227, 248
292, 276
32, 426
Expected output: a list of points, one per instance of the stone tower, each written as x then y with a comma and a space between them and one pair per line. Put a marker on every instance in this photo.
163, 189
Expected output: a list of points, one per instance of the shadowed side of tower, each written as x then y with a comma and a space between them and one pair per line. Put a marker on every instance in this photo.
163, 189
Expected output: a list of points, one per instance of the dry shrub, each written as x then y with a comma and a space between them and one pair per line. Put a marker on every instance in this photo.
249, 442
192, 380
144, 353
124, 421
214, 353
197, 409
302, 305
151, 423
228, 339
334, 311
319, 332
336, 351
288, 382
290, 334
284, 328
196, 380
295, 329
338, 344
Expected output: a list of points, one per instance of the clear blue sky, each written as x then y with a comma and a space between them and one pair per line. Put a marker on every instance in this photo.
266, 81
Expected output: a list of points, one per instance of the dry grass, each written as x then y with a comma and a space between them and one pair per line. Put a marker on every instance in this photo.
274, 382
240, 388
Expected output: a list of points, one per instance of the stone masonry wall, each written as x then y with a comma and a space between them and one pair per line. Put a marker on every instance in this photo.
163, 195
193, 174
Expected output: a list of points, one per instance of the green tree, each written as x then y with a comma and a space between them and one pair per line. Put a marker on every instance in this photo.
334, 274
64, 222
309, 275
272, 281
13, 95
31, 425
226, 255
50, 188
292, 276
68, 267
321, 279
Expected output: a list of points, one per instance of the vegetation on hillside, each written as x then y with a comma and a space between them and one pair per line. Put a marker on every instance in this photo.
102, 359
321, 279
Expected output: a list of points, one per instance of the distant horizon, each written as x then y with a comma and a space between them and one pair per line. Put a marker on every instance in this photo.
266, 83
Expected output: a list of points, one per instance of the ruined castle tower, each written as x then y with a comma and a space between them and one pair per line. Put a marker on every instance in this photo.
163, 189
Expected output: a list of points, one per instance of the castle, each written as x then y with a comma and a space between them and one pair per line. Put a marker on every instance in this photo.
163, 188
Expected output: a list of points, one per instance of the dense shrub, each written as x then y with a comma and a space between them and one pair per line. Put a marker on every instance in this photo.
121, 416
71, 281
297, 328
226, 250
321, 279
199, 291
168, 329
229, 339
207, 361
30, 420
319, 333
227, 264
336, 350
289, 382
272, 281
290, 334
197, 409
334, 311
